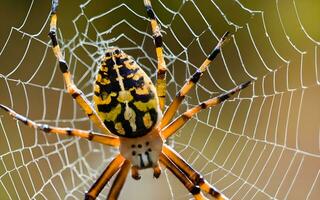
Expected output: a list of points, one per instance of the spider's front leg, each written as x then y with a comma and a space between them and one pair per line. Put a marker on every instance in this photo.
173, 107
162, 68
71, 87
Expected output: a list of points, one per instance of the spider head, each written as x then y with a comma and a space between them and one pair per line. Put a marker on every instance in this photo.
143, 152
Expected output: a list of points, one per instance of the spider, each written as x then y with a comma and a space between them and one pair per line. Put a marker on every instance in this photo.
128, 105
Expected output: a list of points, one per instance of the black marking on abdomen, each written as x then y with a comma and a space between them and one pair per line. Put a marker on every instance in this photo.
130, 83
124, 71
142, 97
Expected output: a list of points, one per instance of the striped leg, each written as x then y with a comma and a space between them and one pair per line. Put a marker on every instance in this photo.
104, 178
173, 107
71, 88
193, 189
162, 68
182, 119
89, 135
119, 181
192, 174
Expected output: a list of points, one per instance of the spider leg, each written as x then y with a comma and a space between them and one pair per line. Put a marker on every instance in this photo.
192, 174
119, 181
156, 171
173, 107
182, 119
193, 189
89, 135
162, 68
135, 173
71, 87
104, 178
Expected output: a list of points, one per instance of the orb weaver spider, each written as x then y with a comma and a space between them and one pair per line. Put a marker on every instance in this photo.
128, 105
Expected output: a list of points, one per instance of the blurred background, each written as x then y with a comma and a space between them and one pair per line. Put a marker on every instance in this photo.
262, 144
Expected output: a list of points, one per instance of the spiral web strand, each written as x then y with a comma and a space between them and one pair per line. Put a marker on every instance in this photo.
262, 144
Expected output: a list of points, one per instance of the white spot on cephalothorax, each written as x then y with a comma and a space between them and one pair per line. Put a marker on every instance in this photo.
130, 115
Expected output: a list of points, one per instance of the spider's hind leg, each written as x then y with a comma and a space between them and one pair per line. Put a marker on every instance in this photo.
104, 178
192, 174
192, 188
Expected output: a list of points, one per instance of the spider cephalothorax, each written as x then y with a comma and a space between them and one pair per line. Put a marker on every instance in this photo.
129, 106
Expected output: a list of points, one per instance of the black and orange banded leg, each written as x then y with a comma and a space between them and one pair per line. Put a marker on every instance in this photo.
192, 174
173, 107
119, 181
71, 88
192, 188
182, 119
89, 135
104, 178
162, 68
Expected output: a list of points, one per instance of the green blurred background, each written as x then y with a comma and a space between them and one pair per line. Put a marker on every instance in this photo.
263, 144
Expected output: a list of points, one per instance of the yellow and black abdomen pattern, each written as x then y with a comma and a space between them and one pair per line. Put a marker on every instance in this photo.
124, 96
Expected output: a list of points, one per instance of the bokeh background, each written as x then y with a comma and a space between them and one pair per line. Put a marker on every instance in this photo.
263, 144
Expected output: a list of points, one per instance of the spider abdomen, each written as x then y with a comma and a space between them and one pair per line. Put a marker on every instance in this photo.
124, 96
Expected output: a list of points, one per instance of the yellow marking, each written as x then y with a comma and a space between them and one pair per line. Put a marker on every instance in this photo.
144, 107
119, 128
124, 96
137, 75
104, 69
98, 78
105, 98
130, 75
97, 88
147, 120
130, 66
130, 115
113, 114
142, 91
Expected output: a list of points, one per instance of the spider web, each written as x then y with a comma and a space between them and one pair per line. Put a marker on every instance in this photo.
262, 144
